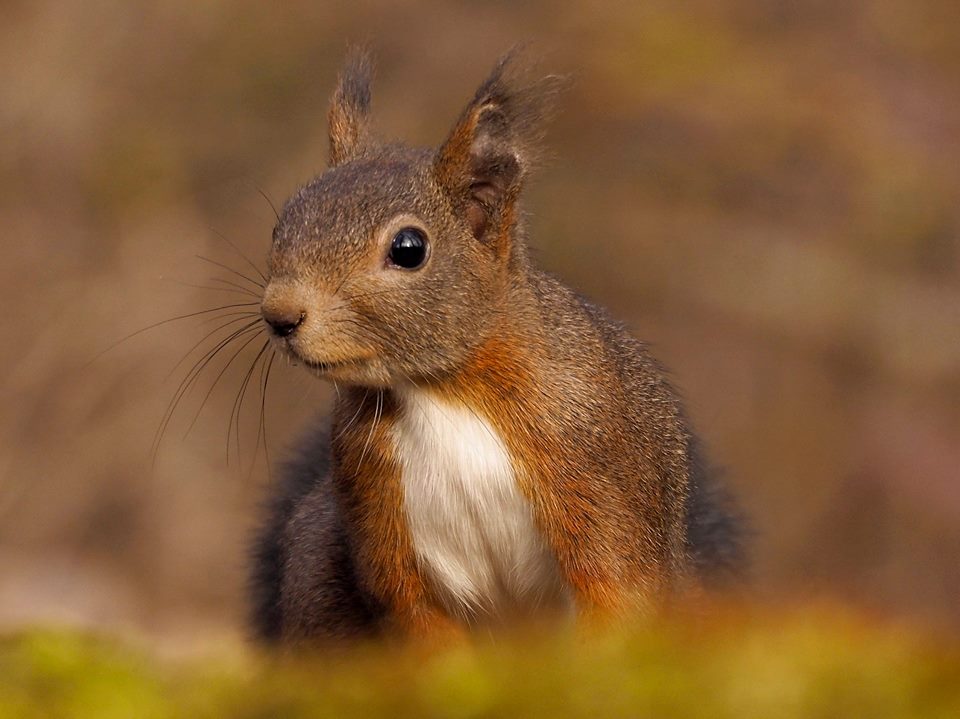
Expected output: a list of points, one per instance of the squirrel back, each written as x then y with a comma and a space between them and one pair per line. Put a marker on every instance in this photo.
500, 447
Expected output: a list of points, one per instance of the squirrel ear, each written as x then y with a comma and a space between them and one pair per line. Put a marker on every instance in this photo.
348, 117
493, 145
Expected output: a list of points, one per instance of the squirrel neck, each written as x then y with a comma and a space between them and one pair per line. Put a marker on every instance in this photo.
507, 360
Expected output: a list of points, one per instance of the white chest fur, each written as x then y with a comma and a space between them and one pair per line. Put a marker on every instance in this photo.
472, 529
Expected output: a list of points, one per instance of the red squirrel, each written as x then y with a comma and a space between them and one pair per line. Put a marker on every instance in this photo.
500, 448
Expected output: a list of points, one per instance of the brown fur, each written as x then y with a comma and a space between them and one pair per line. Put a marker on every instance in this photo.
596, 435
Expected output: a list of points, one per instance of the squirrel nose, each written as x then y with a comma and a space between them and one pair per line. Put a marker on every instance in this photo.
283, 322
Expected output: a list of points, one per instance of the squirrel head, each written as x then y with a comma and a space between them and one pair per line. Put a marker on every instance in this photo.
394, 262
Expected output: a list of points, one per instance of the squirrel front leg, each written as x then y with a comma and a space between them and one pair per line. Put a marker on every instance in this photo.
609, 560
600, 596
391, 573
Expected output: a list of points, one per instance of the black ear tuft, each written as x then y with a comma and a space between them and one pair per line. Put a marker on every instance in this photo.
350, 108
494, 144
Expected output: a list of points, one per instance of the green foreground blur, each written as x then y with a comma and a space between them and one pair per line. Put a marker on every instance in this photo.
810, 663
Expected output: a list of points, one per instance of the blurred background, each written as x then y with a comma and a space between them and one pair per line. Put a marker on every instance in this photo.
766, 190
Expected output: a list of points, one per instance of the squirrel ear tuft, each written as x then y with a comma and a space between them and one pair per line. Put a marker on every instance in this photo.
349, 112
494, 144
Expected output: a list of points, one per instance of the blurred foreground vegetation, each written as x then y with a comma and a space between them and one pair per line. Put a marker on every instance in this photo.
811, 663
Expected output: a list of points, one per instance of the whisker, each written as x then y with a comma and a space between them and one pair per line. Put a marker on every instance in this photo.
164, 322
363, 341
262, 426
188, 381
238, 313
239, 251
194, 373
229, 269
373, 426
356, 414
239, 287
238, 403
269, 201
215, 382
263, 415
369, 326
212, 289
203, 339
352, 331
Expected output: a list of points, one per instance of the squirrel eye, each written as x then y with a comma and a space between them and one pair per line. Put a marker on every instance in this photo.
408, 249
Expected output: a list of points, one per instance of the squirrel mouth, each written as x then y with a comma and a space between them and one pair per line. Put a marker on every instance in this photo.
326, 366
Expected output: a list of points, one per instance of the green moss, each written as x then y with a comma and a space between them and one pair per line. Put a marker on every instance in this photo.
811, 664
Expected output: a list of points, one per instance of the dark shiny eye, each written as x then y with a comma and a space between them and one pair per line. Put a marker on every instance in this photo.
408, 249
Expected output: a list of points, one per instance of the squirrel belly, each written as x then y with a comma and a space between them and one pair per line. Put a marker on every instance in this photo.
472, 528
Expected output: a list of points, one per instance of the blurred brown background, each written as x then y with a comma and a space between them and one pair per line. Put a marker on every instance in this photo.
766, 190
